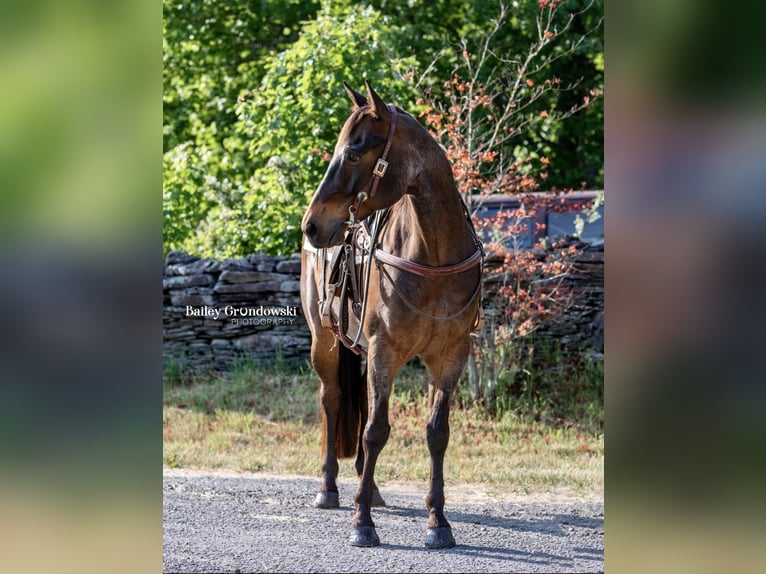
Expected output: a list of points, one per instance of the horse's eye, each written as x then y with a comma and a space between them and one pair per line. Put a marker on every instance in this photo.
352, 157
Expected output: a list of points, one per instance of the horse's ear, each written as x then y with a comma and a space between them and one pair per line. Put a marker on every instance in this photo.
377, 105
359, 100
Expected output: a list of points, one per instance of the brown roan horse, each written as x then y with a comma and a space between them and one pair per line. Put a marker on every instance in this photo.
389, 198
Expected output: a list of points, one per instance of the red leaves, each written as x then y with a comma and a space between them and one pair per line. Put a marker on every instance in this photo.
532, 290
534, 287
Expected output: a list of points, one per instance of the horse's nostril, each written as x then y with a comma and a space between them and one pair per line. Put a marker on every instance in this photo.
310, 229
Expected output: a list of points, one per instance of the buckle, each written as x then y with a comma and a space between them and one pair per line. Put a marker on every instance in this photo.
380, 168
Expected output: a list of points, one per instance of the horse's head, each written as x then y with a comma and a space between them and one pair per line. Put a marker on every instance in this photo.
347, 185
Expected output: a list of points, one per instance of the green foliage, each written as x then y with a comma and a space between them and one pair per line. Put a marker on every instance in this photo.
548, 387
293, 118
213, 52
560, 393
184, 203
556, 390
253, 100
546, 59
575, 147
274, 392
432, 32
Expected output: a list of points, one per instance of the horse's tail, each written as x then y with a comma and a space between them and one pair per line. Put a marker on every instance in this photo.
353, 394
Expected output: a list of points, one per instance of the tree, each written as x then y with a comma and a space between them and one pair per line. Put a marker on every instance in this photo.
291, 121
495, 99
252, 99
213, 52
505, 99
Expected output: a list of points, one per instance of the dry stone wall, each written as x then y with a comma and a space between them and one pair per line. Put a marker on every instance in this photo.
219, 312
580, 327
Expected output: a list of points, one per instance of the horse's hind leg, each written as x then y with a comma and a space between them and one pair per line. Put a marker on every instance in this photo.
439, 533
325, 362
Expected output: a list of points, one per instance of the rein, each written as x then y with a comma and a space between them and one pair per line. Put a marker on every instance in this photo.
477, 257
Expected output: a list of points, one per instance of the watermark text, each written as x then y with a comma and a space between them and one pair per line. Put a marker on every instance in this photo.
260, 315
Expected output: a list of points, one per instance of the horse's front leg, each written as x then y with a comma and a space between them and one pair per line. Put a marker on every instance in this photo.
439, 531
377, 499
445, 369
375, 435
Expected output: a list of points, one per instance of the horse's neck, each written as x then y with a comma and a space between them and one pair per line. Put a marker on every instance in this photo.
428, 223
429, 227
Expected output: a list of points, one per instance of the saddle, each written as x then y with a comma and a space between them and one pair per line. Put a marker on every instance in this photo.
344, 275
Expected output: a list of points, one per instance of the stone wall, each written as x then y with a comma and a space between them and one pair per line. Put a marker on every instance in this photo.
215, 312
580, 328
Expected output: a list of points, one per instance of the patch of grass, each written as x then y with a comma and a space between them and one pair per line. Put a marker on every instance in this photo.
549, 387
505, 452
267, 419
175, 371
274, 393
238, 440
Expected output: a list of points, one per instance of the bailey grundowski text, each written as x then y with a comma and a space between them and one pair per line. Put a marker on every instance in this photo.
231, 311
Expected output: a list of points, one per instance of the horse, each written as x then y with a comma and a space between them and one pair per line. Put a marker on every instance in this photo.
408, 285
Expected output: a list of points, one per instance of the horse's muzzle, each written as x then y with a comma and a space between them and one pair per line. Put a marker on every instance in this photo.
310, 230
320, 237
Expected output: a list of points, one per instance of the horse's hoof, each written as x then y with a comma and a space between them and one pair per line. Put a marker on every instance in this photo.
440, 537
377, 499
364, 536
326, 500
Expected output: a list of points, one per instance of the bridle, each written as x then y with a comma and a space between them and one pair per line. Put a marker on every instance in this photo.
381, 165
357, 240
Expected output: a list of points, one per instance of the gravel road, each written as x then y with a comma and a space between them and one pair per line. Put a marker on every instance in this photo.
256, 523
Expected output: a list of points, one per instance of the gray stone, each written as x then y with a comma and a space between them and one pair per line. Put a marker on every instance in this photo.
195, 296
194, 268
259, 341
176, 257
239, 264
256, 258
251, 276
241, 276
259, 287
183, 281
290, 286
184, 333
289, 266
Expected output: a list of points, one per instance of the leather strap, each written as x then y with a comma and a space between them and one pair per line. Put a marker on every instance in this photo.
381, 165
428, 270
